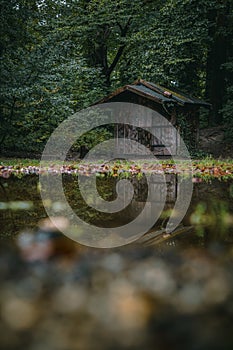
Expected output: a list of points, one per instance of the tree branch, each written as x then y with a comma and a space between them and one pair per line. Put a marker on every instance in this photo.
120, 50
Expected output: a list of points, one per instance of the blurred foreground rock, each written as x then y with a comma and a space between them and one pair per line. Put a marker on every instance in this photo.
126, 298
46, 242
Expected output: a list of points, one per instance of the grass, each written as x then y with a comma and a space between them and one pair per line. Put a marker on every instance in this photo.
205, 162
19, 162
206, 169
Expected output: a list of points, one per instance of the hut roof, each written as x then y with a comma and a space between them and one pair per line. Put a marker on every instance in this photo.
158, 94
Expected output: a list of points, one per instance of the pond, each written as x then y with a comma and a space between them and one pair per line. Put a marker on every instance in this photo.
161, 291
209, 217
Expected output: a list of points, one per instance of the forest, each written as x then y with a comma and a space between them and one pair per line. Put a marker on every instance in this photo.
116, 252
60, 56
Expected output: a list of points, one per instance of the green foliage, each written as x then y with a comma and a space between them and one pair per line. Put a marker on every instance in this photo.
41, 84
58, 57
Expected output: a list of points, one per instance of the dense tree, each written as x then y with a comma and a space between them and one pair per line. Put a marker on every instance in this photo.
38, 75
60, 56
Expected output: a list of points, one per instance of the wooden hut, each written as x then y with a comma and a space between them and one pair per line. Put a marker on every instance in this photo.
178, 108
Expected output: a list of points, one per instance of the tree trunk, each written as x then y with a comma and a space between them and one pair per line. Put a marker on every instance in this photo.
217, 55
98, 50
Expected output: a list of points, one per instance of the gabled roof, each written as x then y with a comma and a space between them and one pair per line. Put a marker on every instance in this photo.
158, 94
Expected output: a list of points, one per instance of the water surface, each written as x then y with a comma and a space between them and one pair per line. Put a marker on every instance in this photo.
161, 292
209, 217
